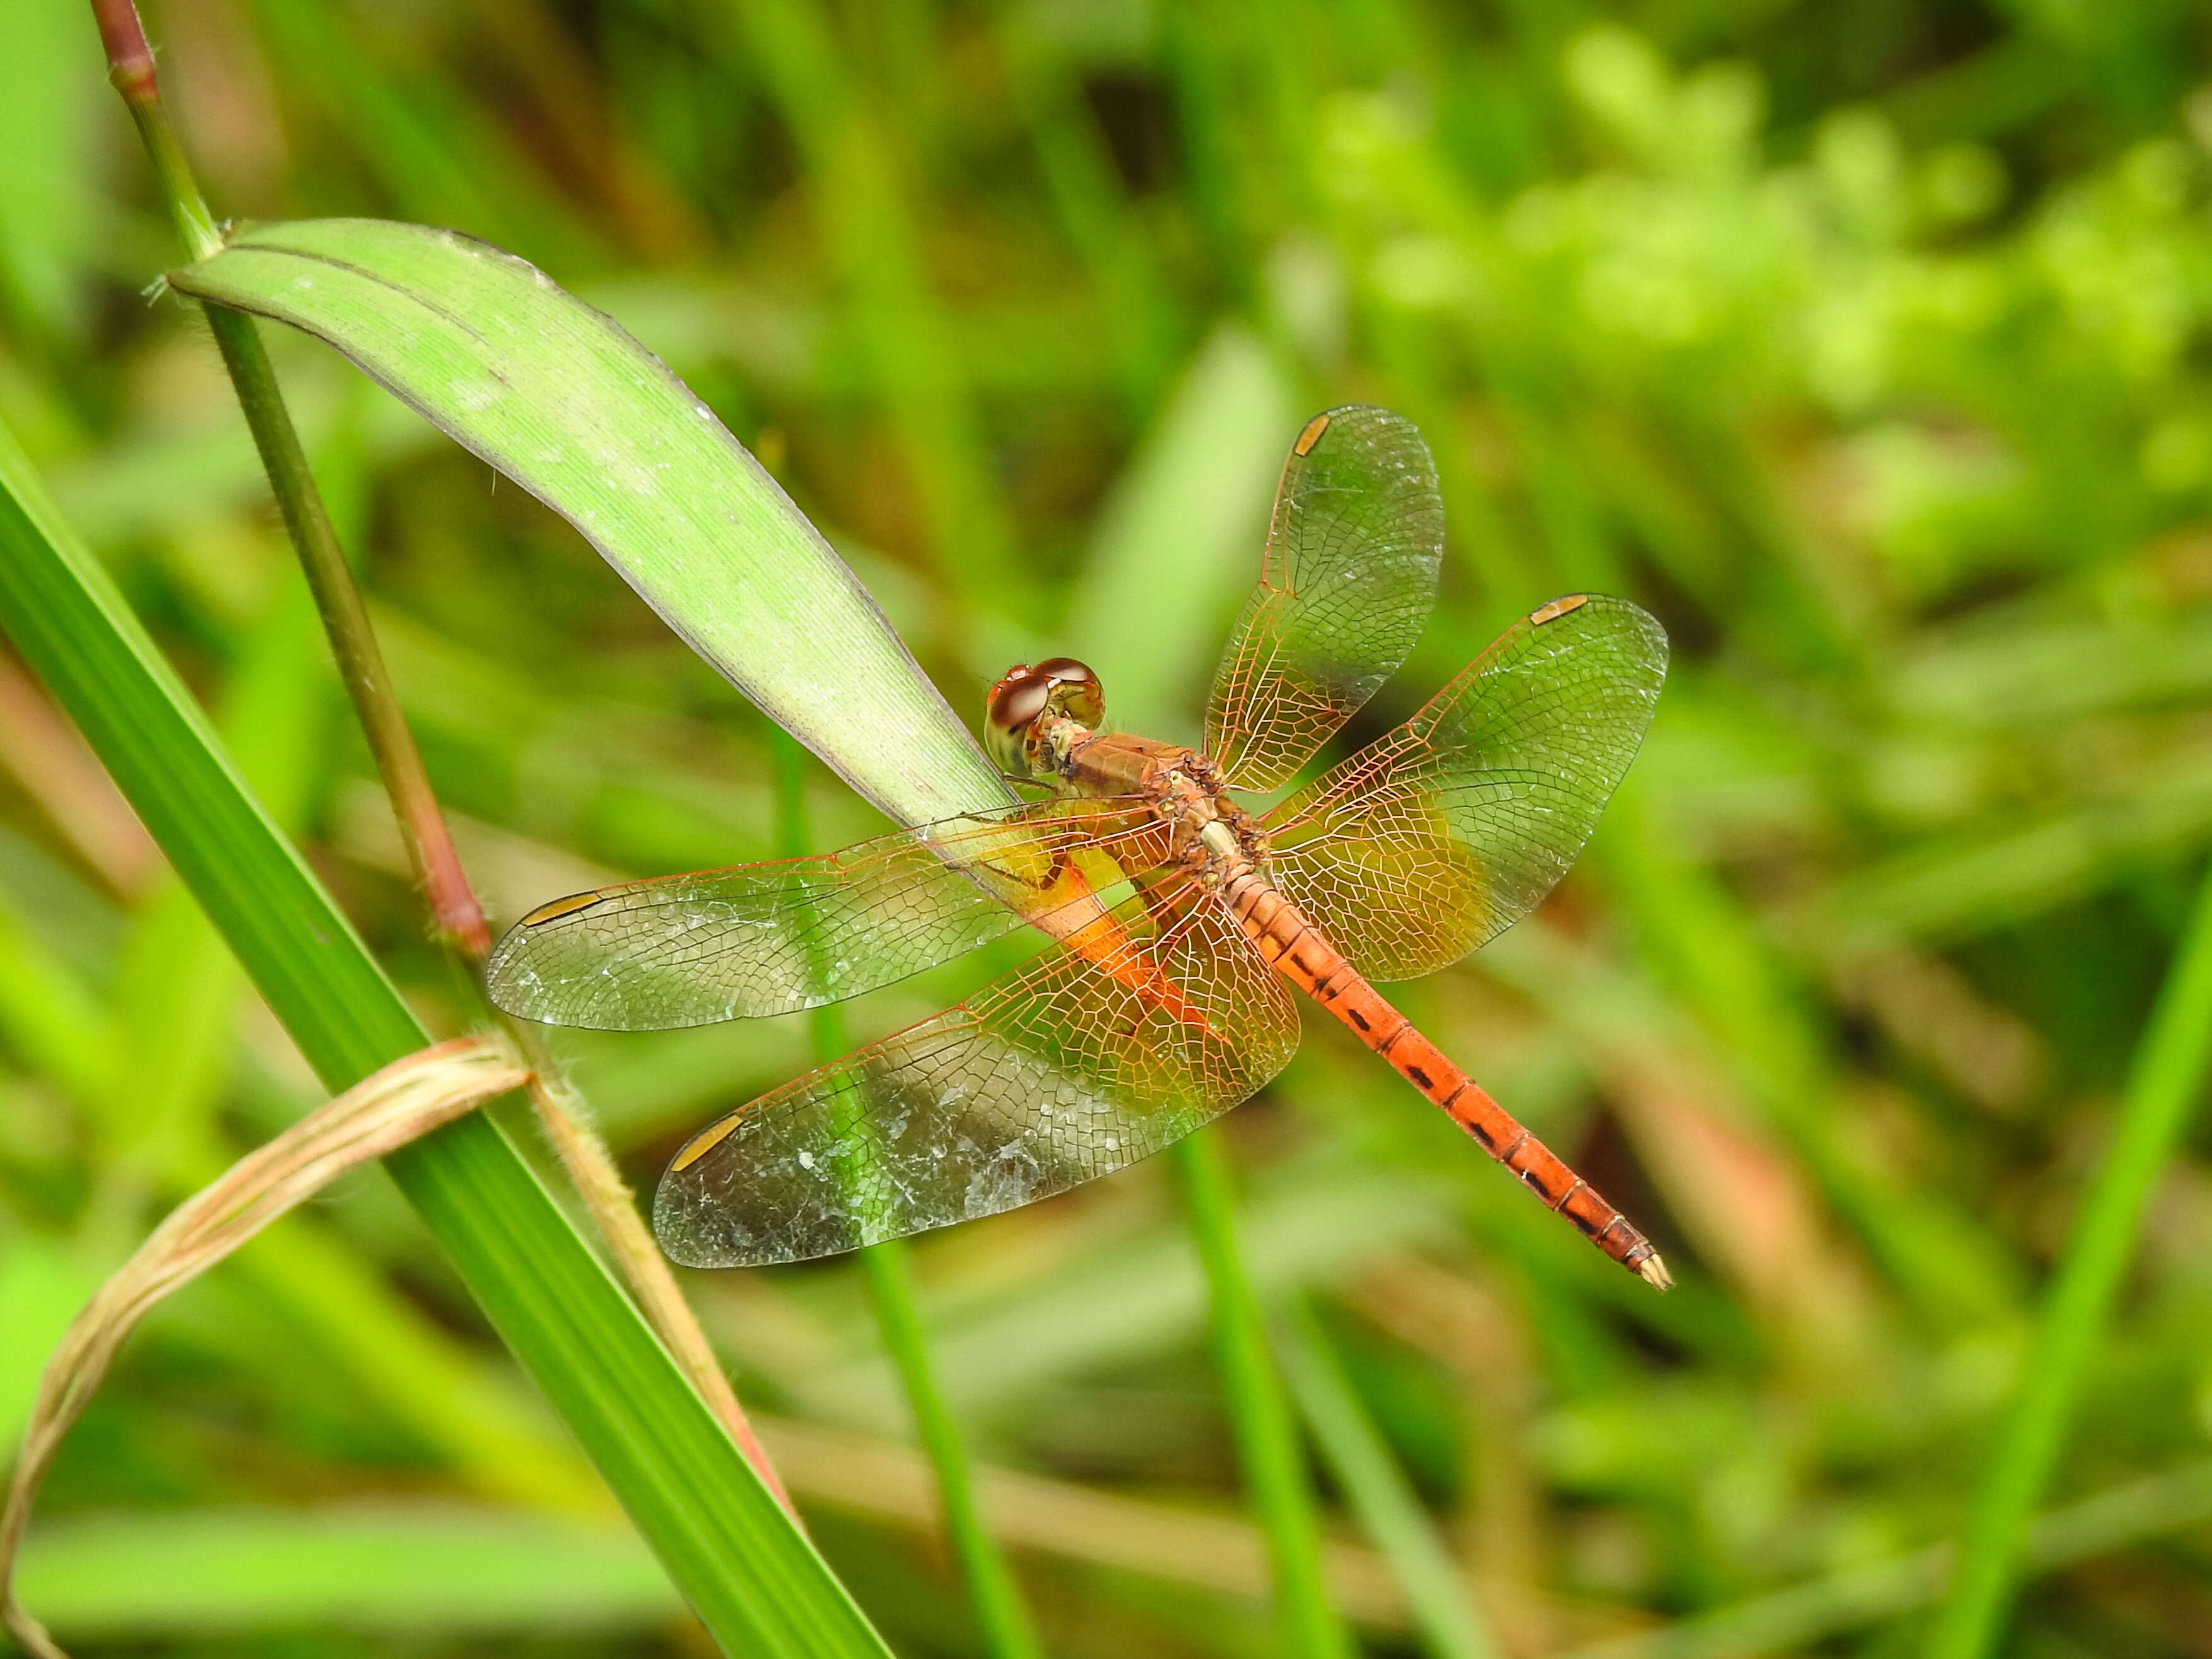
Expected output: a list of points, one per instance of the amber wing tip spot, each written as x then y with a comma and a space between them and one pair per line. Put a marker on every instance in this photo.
561, 906
1556, 609
1310, 436
1653, 1271
703, 1143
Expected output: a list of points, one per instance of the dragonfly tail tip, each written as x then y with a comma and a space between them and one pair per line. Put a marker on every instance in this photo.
1653, 1271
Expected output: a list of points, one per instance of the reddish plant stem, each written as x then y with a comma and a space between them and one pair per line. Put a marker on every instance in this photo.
454, 911
456, 917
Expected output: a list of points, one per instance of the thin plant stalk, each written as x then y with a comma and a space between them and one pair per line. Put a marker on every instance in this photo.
1389, 1511
130, 71
456, 917
2165, 1082
560, 1115
1001, 1616
454, 910
1259, 1411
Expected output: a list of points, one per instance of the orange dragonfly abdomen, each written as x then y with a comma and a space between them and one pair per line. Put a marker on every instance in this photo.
1295, 949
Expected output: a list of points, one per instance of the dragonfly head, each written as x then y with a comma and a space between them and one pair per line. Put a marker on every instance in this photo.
1028, 702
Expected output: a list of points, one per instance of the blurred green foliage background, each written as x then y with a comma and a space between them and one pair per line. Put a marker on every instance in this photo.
1866, 345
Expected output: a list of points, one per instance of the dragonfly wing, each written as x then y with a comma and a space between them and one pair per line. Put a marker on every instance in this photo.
771, 938
1345, 587
1445, 832
1062, 1071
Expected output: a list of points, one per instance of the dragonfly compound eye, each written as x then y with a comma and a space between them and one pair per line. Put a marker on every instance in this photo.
1075, 689
1018, 704
1010, 718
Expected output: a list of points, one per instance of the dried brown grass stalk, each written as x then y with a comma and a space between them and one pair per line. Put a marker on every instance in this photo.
652, 1283
380, 1114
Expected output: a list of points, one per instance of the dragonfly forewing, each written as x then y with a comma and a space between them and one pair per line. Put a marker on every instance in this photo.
1345, 586
1064, 1070
1440, 834
774, 938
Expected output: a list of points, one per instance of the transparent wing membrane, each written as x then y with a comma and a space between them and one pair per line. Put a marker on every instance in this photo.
1156, 1013
1064, 1070
1447, 831
1345, 586
772, 938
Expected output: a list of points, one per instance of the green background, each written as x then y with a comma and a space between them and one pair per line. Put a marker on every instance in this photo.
1866, 345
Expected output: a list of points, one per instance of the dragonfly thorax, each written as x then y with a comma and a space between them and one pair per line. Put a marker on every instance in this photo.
1212, 834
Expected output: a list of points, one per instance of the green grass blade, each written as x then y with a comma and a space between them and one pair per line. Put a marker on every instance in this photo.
754, 1580
420, 1374
2165, 1082
1379, 1492
1001, 1615
560, 399
1266, 1436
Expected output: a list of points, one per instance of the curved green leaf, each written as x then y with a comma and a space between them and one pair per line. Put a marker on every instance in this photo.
561, 399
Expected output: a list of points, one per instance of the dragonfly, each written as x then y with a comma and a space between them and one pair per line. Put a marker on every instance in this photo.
1179, 919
